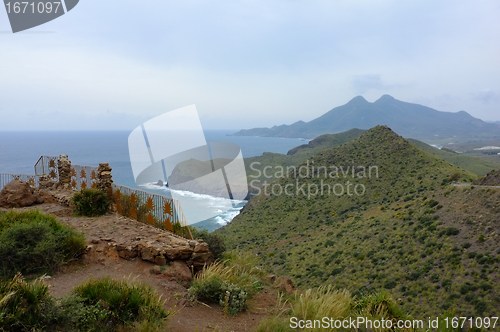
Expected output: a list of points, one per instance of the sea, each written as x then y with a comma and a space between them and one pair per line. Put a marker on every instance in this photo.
20, 150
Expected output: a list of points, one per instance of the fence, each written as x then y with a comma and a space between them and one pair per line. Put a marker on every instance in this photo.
159, 211
83, 177
6, 178
47, 165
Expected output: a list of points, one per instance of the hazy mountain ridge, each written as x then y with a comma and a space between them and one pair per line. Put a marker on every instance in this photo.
409, 120
433, 245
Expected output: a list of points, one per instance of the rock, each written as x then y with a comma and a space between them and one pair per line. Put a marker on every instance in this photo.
147, 254
156, 269
38, 199
159, 183
179, 253
160, 260
285, 284
272, 277
126, 252
112, 253
192, 243
179, 271
201, 247
47, 197
46, 184
17, 193
200, 259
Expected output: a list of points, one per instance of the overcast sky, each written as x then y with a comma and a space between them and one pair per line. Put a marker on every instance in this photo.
114, 64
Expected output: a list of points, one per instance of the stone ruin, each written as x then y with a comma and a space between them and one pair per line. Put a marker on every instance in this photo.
104, 179
64, 168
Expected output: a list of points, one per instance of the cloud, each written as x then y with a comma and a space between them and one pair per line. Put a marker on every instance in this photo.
249, 63
364, 83
486, 96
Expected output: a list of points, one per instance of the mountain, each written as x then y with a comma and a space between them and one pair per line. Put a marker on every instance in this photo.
388, 218
410, 120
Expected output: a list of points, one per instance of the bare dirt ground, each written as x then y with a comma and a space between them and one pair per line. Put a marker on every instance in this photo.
185, 316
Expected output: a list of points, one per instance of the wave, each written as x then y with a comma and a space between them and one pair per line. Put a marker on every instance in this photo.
225, 217
185, 193
222, 209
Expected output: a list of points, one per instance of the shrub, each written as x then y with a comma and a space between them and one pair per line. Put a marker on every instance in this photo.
378, 305
24, 306
322, 302
32, 242
113, 303
237, 274
97, 305
390, 284
141, 210
214, 240
91, 202
432, 203
233, 298
207, 289
466, 245
446, 283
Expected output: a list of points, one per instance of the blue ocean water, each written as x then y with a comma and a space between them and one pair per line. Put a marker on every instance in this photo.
19, 151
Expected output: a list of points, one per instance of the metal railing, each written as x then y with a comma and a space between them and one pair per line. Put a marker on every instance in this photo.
162, 212
156, 210
83, 177
47, 165
6, 178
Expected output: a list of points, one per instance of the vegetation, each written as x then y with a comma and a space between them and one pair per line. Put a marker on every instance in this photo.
325, 301
229, 283
405, 233
97, 305
478, 165
326, 141
32, 242
309, 308
215, 241
119, 303
91, 202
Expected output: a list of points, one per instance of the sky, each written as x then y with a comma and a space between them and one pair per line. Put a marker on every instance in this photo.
115, 64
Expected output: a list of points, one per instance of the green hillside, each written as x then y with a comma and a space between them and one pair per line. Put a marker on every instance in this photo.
326, 141
257, 168
476, 164
434, 246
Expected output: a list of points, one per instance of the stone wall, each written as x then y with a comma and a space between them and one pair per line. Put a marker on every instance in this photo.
64, 168
104, 179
